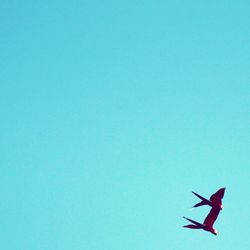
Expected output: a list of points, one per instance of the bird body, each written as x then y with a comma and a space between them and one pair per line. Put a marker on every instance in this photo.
215, 202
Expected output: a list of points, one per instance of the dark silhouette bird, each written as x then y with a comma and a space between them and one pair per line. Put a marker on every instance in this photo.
208, 222
214, 201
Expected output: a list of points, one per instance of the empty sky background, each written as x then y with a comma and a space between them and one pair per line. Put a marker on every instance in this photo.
112, 112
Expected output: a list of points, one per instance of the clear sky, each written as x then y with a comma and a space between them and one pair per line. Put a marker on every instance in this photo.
112, 112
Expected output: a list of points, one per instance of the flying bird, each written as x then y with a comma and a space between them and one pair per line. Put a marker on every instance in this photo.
208, 222
214, 201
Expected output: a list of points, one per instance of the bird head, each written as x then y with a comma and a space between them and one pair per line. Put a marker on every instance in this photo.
214, 231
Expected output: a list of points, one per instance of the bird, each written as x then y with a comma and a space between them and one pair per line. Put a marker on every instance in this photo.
207, 225
214, 201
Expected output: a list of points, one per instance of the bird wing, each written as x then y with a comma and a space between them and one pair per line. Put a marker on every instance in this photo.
211, 217
218, 195
194, 222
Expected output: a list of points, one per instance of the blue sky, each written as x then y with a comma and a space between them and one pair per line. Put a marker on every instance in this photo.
112, 112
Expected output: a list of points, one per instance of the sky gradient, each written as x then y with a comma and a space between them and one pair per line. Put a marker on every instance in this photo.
112, 112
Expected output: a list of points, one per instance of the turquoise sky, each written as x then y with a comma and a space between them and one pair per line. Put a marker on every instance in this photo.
112, 112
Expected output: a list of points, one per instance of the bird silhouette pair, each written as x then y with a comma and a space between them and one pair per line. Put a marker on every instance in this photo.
215, 202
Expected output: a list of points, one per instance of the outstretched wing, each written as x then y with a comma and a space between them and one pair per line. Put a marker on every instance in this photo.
218, 195
194, 222
211, 217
